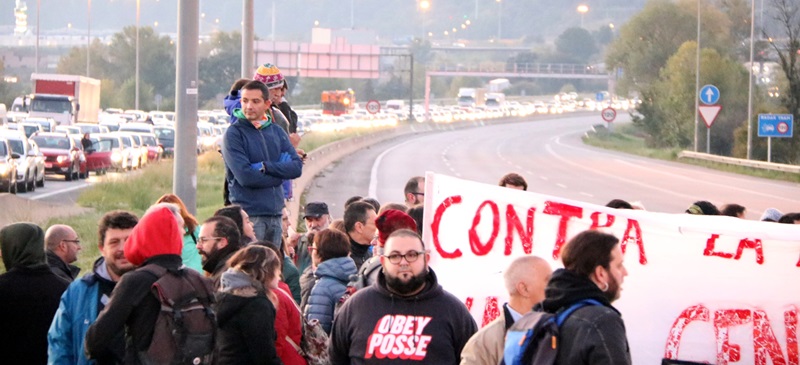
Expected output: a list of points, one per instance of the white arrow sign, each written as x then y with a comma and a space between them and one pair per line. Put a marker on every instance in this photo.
709, 113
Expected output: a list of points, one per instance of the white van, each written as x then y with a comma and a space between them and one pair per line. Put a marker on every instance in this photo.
395, 104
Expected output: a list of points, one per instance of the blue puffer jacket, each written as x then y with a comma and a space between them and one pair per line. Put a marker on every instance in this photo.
259, 194
332, 278
76, 311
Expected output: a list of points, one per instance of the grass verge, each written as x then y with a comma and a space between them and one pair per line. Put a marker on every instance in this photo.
630, 139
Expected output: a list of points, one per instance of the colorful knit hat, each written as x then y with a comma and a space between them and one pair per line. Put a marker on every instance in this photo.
270, 75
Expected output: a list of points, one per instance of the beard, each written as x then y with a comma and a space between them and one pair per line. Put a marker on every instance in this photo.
401, 287
118, 270
613, 291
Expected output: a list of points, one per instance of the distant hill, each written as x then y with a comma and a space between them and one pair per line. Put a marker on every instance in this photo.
390, 19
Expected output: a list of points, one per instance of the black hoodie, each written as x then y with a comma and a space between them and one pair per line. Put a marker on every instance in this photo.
376, 326
29, 295
592, 334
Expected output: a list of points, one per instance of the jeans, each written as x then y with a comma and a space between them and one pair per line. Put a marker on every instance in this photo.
268, 228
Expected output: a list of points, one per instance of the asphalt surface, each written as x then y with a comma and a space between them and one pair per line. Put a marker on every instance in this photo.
554, 161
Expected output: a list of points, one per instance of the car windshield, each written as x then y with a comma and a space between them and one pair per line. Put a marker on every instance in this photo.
149, 141
61, 143
114, 142
3, 151
165, 133
89, 129
126, 141
101, 145
51, 105
17, 146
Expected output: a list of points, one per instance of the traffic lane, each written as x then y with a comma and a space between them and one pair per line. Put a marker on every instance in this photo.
59, 191
556, 163
671, 186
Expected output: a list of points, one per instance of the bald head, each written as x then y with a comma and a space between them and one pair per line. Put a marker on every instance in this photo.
526, 278
57, 233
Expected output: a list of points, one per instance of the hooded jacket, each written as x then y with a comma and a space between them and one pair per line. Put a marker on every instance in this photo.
29, 295
592, 334
332, 278
430, 327
76, 311
246, 322
258, 193
133, 308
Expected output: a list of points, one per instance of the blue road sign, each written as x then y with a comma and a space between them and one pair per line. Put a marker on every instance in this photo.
775, 125
599, 97
709, 95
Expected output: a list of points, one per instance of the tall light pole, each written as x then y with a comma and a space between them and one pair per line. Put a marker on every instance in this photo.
424, 5
38, 6
750, 79
352, 14
184, 174
583, 9
88, 36
476, 9
136, 97
247, 38
697, 80
500, 19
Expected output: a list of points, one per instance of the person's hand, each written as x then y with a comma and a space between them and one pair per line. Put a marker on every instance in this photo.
294, 139
293, 239
301, 153
258, 166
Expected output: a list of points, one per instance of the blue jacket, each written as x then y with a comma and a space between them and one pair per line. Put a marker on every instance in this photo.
259, 194
332, 278
76, 311
231, 102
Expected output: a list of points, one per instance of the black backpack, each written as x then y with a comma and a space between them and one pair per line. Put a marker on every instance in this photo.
185, 329
533, 339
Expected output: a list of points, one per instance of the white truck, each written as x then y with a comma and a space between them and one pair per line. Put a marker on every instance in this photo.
68, 99
471, 97
495, 100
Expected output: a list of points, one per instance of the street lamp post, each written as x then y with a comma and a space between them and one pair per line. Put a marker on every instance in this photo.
697, 80
750, 81
38, 6
424, 5
136, 97
583, 9
88, 36
500, 19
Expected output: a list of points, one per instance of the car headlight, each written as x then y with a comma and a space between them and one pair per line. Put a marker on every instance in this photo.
62, 158
116, 156
3, 169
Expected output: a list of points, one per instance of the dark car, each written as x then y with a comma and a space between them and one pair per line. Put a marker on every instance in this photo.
63, 155
166, 138
8, 168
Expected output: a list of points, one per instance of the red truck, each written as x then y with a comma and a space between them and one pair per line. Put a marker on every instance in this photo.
68, 99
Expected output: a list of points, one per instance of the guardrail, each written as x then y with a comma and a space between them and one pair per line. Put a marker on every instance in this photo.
741, 162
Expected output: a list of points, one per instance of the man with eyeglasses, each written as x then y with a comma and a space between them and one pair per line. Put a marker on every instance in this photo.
405, 316
63, 245
219, 240
414, 191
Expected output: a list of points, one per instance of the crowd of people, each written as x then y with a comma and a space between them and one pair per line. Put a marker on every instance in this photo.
363, 280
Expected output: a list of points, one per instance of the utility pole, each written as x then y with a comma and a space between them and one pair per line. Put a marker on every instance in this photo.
185, 170
697, 80
411, 88
136, 97
750, 80
247, 39
88, 36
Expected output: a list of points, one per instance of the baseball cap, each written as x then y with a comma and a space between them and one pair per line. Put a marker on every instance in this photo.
316, 209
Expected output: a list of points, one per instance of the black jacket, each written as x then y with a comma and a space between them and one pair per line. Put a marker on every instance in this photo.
592, 334
376, 326
132, 309
246, 330
62, 269
29, 298
359, 253
290, 115
218, 263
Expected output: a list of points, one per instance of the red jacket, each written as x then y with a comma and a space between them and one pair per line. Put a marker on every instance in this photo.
287, 323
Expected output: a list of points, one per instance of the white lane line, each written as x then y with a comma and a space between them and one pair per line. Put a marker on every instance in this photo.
60, 191
518, 167
529, 173
561, 186
373, 175
587, 194
543, 178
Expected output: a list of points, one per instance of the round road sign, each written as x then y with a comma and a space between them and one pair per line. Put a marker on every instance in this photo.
783, 127
373, 106
609, 114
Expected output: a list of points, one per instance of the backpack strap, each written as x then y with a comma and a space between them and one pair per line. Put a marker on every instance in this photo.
153, 269
562, 316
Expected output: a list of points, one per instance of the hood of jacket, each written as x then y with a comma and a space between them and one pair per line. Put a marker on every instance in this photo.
22, 245
157, 233
339, 268
235, 279
432, 287
232, 101
566, 287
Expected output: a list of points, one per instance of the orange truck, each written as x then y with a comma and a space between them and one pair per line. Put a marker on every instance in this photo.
338, 102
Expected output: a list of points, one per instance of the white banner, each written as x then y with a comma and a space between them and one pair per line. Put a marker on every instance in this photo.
700, 288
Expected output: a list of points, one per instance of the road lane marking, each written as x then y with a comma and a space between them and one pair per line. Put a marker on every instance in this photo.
561, 186
60, 191
373, 175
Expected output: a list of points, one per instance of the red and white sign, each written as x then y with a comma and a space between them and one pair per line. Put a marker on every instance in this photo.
373, 106
709, 113
709, 289
783, 127
609, 114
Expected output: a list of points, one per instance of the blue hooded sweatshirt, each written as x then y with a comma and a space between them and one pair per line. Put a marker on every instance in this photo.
258, 193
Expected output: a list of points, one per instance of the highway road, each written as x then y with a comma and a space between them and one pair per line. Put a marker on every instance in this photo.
554, 161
